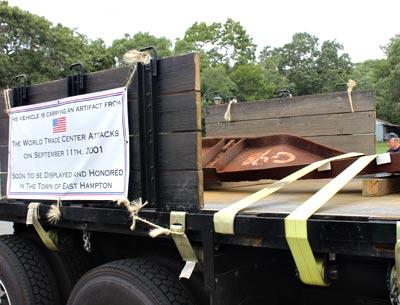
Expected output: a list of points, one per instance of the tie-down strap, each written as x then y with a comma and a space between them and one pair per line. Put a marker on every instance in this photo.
178, 226
32, 218
225, 218
310, 269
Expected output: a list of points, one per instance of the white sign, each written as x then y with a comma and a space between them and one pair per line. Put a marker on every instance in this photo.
72, 148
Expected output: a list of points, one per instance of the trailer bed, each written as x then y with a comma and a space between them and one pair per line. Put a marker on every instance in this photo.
349, 202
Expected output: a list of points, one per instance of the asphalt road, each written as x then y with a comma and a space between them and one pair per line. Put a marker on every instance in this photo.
6, 228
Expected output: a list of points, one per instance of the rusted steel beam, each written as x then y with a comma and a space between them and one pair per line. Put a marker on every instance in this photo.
274, 157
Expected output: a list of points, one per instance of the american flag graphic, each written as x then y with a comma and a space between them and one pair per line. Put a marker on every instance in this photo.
60, 124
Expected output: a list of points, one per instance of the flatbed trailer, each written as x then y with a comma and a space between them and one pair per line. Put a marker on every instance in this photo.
354, 236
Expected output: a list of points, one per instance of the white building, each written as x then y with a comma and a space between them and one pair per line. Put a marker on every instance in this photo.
382, 127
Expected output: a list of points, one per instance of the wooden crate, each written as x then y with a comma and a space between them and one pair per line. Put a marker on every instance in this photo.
325, 119
179, 122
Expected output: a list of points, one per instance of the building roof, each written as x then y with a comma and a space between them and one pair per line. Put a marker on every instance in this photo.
386, 123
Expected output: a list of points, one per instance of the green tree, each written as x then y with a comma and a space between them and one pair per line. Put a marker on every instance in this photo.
138, 41
388, 86
306, 67
270, 61
332, 68
215, 81
297, 62
369, 73
218, 43
251, 83
32, 45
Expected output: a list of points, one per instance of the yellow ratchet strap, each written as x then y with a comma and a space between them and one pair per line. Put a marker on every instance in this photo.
225, 218
310, 269
178, 225
32, 218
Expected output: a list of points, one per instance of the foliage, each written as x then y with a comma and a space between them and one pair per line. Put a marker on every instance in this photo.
215, 81
270, 62
227, 43
367, 74
305, 67
32, 45
251, 83
388, 84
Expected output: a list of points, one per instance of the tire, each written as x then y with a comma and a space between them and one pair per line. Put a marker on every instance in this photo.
67, 266
129, 282
25, 274
194, 286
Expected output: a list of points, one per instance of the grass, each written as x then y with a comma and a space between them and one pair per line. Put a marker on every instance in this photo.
381, 147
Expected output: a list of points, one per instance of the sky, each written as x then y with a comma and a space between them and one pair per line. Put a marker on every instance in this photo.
362, 27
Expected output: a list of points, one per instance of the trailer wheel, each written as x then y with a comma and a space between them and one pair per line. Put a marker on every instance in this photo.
25, 277
67, 266
127, 282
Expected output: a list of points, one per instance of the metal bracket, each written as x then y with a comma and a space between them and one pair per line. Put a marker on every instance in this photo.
32, 218
153, 62
148, 128
76, 79
178, 225
20, 91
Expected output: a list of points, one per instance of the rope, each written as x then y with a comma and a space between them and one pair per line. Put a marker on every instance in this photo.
132, 58
134, 208
227, 115
7, 101
350, 85
54, 213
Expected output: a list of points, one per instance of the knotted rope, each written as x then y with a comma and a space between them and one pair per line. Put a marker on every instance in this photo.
132, 58
133, 208
350, 85
54, 213
227, 115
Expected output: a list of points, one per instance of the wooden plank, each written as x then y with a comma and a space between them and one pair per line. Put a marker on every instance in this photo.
3, 158
177, 188
179, 74
176, 113
364, 143
337, 102
375, 187
4, 123
176, 74
177, 151
314, 125
348, 202
3, 185
3, 169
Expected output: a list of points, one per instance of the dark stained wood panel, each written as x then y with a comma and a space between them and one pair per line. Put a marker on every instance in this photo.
313, 125
291, 107
177, 188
